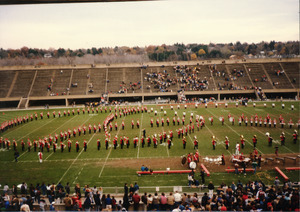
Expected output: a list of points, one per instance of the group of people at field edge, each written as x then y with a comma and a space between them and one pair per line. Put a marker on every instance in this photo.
250, 196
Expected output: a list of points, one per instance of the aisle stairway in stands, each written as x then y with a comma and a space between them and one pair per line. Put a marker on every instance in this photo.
280, 81
256, 72
23, 84
292, 71
97, 80
61, 80
7, 83
43, 79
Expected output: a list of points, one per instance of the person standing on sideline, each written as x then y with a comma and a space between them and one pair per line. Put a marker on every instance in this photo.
40, 154
136, 201
16, 154
202, 174
211, 188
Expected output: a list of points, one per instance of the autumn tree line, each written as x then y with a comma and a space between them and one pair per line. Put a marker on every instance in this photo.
175, 52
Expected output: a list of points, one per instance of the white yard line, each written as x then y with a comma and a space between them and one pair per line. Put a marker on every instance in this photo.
235, 131
95, 159
141, 127
217, 139
109, 152
74, 160
61, 126
264, 134
49, 156
43, 136
78, 174
35, 130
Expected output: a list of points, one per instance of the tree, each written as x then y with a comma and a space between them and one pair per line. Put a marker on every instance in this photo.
94, 51
61, 52
201, 52
215, 54
193, 56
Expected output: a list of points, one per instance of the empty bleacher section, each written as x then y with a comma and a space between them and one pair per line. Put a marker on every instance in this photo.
114, 80
97, 81
79, 81
61, 81
7, 78
239, 77
292, 71
22, 84
277, 75
42, 84
258, 76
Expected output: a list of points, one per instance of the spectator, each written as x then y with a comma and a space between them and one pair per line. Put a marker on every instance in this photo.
211, 188
163, 202
144, 201
136, 201
170, 201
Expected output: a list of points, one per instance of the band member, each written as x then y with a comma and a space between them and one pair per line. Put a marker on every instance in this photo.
143, 141
69, 145
184, 142
242, 141
214, 142
106, 143
62, 146
115, 142
22, 145
127, 142
254, 140
148, 140
135, 141
98, 144
54, 146
295, 136
169, 142
195, 143
77, 146
282, 139
40, 155
84, 145
226, 142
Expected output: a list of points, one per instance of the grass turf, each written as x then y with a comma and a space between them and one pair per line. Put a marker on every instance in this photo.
90, 167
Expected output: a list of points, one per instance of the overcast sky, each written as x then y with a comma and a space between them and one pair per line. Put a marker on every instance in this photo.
86, 25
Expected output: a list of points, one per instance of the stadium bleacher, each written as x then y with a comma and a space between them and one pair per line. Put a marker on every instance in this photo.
292, 71
23, 83
7, 82
278, 77
153, 80
61, 81
258, 76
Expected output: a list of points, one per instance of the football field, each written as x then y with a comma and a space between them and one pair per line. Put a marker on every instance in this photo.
113, 167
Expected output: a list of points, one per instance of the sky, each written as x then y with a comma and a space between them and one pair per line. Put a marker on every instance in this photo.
86, 25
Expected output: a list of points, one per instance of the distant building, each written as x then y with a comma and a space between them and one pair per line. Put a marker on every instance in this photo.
47, 55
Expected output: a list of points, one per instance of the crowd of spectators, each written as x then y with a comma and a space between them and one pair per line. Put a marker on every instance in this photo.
161, 81
132, 86
252, 196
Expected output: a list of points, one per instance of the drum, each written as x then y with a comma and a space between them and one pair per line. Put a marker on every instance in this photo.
193, 165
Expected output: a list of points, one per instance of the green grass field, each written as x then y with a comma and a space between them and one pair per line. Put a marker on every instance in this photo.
94, 167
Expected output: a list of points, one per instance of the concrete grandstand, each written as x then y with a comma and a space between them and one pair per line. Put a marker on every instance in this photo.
26, 86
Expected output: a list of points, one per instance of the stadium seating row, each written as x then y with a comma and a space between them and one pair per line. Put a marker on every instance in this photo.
39, 83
